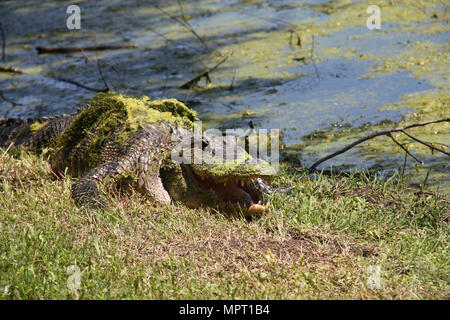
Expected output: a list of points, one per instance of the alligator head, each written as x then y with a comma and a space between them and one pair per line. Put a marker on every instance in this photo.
215, 171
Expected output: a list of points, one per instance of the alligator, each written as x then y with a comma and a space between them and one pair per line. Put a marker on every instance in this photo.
141, 144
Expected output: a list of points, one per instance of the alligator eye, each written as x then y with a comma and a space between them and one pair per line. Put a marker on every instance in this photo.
204, 144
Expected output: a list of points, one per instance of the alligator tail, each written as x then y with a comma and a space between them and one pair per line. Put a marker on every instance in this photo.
32, 132
13, 130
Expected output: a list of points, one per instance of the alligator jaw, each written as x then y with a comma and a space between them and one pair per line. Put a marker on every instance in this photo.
239, 194
256, 209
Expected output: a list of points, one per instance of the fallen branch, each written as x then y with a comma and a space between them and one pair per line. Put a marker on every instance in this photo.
2, 31
15, 70
404, 148
41, 50
425, 143
8, 100
384, 133
204, 74
301, 59
98, 62
82, 85
10, 69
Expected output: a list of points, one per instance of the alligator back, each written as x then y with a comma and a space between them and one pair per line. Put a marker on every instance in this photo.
103, 130
99, 132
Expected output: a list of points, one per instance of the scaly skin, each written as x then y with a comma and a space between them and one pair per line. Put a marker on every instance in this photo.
127, 141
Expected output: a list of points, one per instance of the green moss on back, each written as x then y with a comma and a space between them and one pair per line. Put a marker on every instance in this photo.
113, 116
143, 110
176, 108
37, 125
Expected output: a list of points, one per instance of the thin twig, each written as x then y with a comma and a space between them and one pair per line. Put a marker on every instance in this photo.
424, 183
205, 74
82, 85
231, 88
13, 104
186, 99
183, 16
185, 24
404, 165
166, 77
8, 100
404, 148
2, 31
99, 68
425, 143
312, 58
382, 133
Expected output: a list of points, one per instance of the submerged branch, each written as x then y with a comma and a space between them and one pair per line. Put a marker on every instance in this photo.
10, 69
383, 133
97, 63
425, 143
99, 67
41, 50
184, 22
404, 148
204, 74
82, 85
8, 100
2, 31
312, 58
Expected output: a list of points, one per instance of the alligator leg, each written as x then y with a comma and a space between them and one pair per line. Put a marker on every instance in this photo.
141, 161
85, 190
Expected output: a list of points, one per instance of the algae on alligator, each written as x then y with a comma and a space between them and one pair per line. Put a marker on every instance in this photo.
127, 141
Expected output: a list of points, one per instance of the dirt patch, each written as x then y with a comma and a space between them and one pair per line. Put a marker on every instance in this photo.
346, 246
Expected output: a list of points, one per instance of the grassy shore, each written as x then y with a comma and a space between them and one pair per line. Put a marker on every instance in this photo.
325, 240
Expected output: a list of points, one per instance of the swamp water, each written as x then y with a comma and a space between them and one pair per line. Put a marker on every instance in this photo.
312, 69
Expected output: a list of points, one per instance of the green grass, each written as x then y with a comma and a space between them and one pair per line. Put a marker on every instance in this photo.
316, 243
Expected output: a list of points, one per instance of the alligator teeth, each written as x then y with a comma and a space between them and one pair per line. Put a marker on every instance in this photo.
242, 183
256, 209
